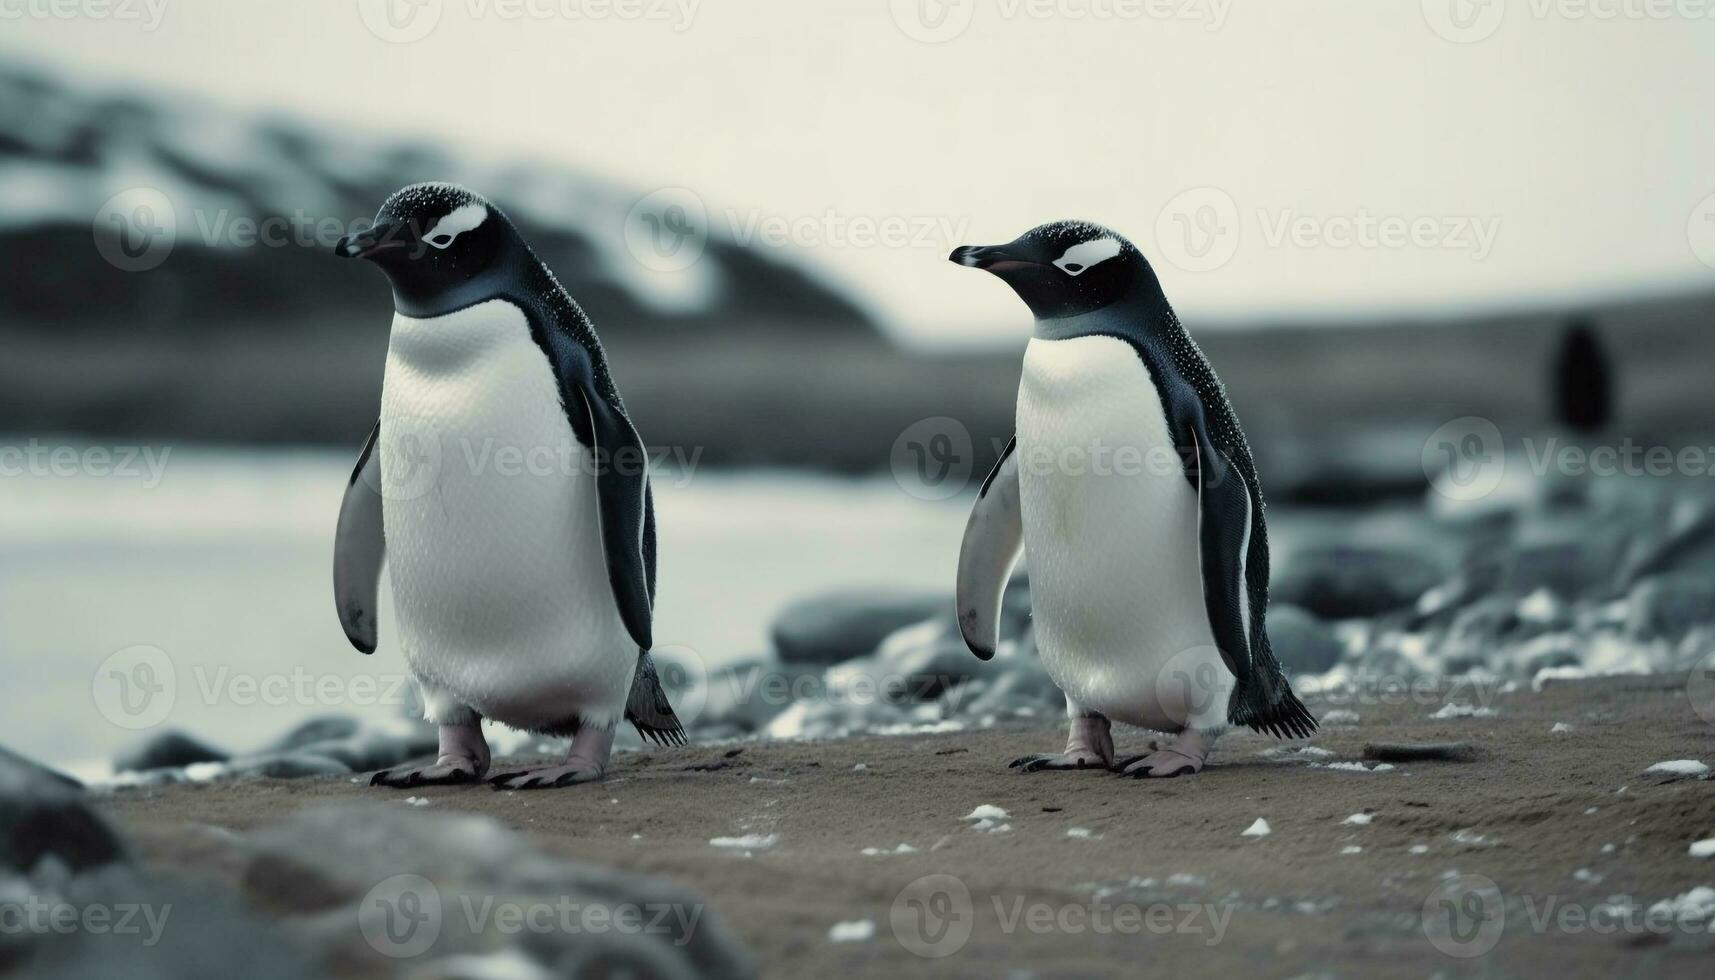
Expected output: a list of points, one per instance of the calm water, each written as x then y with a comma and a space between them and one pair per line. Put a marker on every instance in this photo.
223, 565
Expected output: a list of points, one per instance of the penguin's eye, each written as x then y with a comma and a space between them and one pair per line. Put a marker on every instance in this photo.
441, 241
1074, 268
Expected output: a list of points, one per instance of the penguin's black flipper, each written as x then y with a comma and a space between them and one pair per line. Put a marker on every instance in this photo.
622, 483
648, 708
994, 537
1262, 699
359, 549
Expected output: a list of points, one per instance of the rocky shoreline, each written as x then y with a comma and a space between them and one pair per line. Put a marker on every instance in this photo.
1573, 829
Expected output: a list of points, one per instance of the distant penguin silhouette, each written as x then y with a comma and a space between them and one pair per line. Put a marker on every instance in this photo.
1583, 379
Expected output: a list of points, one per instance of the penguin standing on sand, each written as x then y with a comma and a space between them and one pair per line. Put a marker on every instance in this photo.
508, 490
1131, 486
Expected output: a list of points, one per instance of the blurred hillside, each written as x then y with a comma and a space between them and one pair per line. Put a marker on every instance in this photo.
743, 356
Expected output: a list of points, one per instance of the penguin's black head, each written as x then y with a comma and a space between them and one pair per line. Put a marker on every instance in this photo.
1064, 268
431, 238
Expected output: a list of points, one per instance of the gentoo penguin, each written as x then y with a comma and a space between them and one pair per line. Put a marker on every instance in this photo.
1130, 485
510, 493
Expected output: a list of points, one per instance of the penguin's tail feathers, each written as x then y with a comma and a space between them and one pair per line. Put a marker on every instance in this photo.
648, 709
1267, 704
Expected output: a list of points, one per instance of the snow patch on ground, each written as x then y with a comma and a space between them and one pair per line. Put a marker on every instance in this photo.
1353, 766
1258, 829
1451, 710
748, 842
1680, 767
858, 931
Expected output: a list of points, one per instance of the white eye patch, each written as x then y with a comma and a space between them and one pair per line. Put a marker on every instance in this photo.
1079, 258
456, 223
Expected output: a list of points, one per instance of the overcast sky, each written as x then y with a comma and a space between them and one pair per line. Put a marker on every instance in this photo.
1276, 158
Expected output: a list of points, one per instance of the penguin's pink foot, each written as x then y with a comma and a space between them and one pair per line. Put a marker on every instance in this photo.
1089, 746
463, 759
1185, 757
587, 763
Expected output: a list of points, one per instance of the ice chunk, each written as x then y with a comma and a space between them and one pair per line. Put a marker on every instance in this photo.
857, 931
748, 842
1359, 819
1258, 829
1703, 848
1680, 767
1453, 710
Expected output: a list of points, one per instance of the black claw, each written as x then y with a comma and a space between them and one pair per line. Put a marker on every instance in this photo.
379, 779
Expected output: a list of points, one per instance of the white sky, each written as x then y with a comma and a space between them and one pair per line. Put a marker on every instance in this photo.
1583, 144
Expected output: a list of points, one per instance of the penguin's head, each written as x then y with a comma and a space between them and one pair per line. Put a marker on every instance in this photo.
430, 238
1063, 268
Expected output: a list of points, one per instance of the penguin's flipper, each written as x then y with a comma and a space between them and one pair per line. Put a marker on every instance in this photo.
994, 537
359, 549
648, 709
1262, 700
622, 483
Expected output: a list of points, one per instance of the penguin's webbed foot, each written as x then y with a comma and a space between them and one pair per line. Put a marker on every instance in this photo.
548, 777
445, 772
1185, 757
587, 763
1090, 745
1059, 761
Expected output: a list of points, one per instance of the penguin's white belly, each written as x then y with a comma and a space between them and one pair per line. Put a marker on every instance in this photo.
493, 530
1111, 534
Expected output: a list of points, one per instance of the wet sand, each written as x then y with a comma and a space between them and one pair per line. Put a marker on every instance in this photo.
1165, 881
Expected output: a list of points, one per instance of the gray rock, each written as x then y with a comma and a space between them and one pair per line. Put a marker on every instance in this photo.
335, 872
46, 815
324, 729
371, 749
744, 696
1303, 643
287, 765
1352, 583
147, 928
1670, 606
168, 750
1018, 692
832, 629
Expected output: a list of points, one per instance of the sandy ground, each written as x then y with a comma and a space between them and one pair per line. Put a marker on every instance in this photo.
1532, 810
